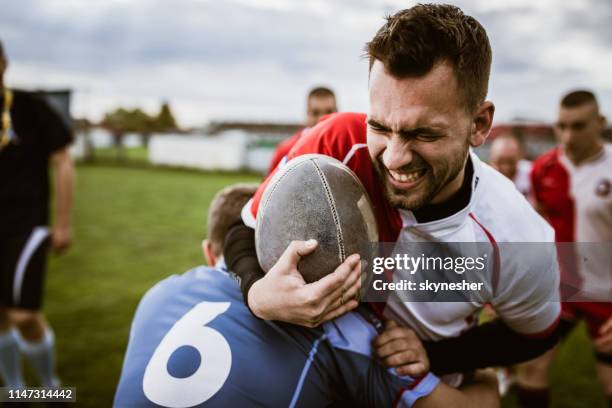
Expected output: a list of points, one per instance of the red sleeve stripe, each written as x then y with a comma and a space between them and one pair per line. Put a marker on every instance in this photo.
496, 254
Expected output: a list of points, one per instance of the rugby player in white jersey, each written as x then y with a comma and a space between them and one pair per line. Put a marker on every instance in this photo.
573, 189
428, 79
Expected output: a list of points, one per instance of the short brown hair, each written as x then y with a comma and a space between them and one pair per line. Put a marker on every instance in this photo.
320, 91
412, 41
225, 210
578, 98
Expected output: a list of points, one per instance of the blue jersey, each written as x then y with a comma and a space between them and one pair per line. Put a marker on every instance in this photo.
193, 342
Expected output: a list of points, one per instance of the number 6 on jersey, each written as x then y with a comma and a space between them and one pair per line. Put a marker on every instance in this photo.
216, 360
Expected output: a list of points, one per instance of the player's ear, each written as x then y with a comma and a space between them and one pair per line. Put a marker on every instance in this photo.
603, 122
209, 254
482, 122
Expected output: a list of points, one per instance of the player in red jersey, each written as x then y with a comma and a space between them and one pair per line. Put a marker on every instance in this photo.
573, 189
321, 101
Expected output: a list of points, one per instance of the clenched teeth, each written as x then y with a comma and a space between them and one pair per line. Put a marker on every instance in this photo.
407, 177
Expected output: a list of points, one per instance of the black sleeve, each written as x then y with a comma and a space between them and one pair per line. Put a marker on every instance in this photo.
488, 345
240, 256
53, 128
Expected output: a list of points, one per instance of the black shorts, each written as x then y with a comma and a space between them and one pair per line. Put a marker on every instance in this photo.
23, 263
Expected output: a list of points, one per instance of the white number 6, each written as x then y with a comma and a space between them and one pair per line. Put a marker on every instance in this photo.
162, 388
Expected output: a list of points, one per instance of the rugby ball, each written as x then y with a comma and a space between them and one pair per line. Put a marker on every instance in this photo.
314, 197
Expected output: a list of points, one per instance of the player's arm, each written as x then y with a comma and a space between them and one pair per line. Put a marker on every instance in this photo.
282, 294
603, 343
481, 392
61, 236
480, 347
476, 348
368, 383
426, 392
55, 137
528, 327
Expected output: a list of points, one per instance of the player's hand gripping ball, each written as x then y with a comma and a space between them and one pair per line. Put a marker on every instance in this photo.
314, 197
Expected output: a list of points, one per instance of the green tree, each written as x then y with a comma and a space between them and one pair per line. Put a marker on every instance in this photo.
165, 121
122, 121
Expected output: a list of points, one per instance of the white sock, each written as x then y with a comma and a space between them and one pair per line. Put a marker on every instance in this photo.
40, 355
10, 361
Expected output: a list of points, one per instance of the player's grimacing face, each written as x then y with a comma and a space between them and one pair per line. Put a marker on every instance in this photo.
418, 135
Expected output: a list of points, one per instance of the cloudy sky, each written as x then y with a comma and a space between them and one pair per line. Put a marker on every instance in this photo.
256, 59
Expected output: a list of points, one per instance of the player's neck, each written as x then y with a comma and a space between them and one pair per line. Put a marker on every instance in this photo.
453, 204
451, 188
577, 157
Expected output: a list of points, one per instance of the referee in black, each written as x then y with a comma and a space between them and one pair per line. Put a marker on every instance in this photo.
33, 137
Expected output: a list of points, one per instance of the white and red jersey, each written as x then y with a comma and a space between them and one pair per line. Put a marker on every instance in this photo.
497, 212
577, 200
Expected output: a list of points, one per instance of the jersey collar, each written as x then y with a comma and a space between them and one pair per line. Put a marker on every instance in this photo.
221, 266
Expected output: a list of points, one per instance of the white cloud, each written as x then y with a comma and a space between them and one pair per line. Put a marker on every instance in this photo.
256, 59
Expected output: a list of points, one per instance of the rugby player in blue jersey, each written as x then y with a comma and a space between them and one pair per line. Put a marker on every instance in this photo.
193, 342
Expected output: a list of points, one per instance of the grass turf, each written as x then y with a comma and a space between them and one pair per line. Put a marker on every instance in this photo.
135, 226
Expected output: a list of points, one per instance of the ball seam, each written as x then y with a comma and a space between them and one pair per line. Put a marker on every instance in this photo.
334, 210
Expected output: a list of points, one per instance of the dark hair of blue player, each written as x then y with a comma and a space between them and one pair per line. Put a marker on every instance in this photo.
225, 210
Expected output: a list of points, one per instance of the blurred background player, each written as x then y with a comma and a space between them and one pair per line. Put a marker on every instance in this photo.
573, 189
321, 101
193, 341
32, 137
507, 155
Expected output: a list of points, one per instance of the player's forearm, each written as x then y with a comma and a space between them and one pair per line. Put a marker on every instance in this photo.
64, 188
479, 348
482, 392
240, 256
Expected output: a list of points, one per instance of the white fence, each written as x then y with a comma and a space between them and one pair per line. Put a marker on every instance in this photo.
258, 159
230, 151
201, 152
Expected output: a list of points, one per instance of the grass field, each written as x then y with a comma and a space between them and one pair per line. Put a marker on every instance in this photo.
135, 226
132, 154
